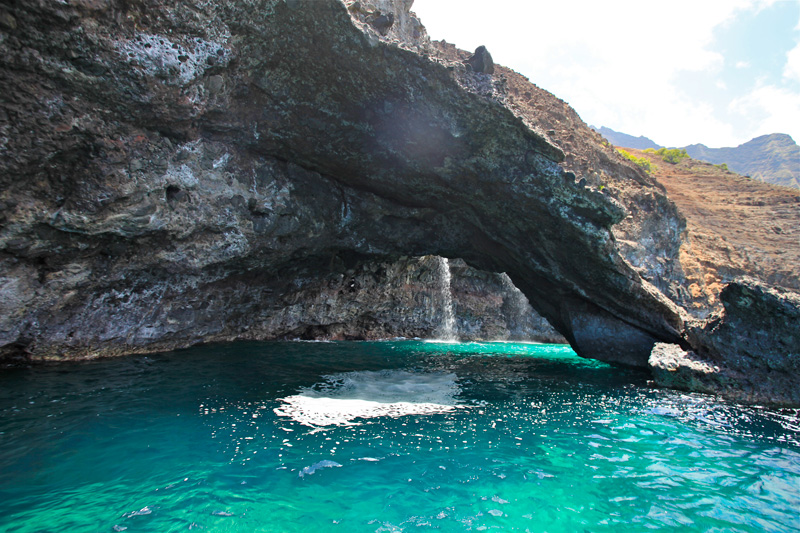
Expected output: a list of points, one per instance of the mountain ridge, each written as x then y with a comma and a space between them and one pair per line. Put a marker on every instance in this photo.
773, 158
623, 139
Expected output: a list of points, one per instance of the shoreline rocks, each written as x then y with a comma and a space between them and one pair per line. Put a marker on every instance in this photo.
749, 352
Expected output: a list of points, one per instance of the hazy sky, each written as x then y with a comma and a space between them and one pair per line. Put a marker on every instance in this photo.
718, 72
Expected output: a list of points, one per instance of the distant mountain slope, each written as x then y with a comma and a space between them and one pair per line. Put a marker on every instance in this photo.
771, 158
623, 139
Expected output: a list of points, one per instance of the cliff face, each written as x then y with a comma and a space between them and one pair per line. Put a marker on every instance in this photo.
749, 351
736, 226
741, 260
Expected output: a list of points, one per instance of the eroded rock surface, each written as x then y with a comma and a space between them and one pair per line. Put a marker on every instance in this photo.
735, 226
676, 368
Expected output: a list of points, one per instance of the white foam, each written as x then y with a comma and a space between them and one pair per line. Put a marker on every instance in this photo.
141, 512
307, 471
392, 393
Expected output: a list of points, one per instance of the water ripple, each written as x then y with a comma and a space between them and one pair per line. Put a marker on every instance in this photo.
449, 436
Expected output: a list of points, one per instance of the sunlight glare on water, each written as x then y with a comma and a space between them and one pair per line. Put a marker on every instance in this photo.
384, 436
345, 397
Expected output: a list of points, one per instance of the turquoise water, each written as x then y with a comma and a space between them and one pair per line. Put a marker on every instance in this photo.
384, 436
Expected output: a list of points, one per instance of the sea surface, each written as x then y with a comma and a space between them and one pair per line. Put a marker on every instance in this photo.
384, 436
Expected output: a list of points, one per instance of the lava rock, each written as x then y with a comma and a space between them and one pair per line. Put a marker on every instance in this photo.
676, 368
481, 61
755, 340
383, 23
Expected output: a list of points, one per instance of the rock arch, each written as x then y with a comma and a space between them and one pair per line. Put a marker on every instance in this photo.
183, 164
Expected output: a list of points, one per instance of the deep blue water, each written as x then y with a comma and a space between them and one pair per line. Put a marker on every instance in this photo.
384, 436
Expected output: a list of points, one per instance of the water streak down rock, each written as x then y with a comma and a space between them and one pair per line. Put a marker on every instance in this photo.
170, 169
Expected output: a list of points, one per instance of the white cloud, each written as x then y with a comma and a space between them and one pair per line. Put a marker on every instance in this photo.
792, 69
770, 109
615, 61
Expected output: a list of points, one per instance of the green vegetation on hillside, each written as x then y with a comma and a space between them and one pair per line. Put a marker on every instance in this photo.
670, 155
642, 162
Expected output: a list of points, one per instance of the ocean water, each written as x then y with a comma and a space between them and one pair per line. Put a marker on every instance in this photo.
384, 436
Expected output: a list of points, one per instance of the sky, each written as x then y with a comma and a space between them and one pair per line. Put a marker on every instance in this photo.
716, 72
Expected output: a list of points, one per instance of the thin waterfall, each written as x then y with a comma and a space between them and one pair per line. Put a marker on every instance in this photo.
449, 329
520, 304
516, 306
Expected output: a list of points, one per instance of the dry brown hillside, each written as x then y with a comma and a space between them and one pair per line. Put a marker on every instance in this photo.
735, 226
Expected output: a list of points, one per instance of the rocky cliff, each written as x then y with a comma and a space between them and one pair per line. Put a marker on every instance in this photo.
741, 259
183, 172
749, 351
